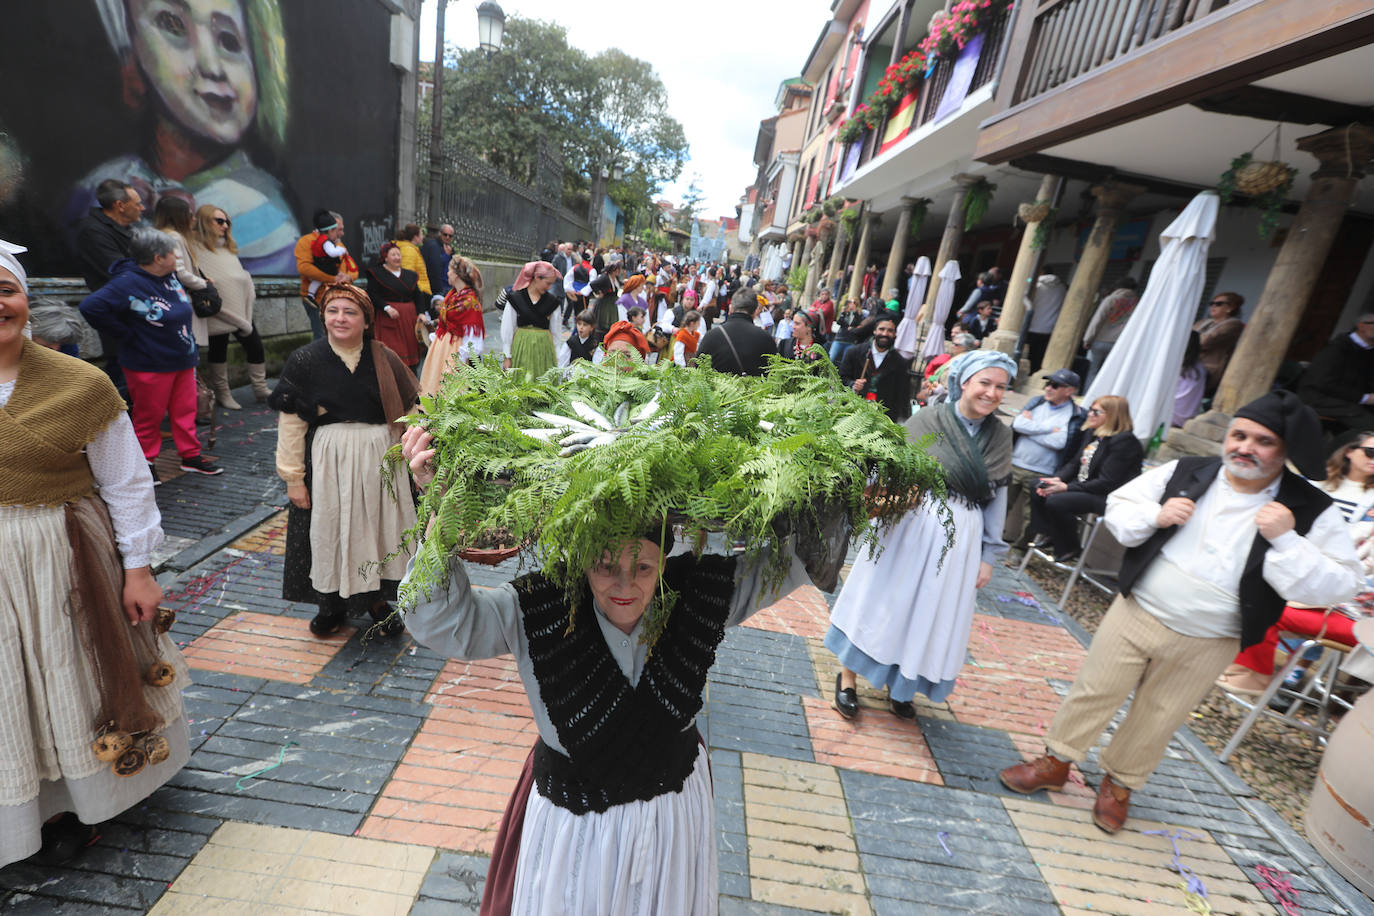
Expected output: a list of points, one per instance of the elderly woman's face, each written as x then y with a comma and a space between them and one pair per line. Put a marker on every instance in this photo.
623, 586
393, 258
197, 57
14, 309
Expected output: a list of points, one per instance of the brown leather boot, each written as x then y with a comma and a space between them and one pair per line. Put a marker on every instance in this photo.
1048, 772
1113, 801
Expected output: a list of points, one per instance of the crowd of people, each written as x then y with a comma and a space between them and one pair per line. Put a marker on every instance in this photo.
1221, 554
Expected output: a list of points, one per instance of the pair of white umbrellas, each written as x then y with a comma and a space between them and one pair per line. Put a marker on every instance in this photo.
1144, 365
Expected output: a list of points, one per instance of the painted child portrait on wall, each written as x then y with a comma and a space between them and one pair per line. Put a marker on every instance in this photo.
208, 81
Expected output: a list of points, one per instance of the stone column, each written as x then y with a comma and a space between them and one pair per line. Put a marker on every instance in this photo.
805, 258
856, 280
1019, 285
893, 276
1078, 302
1343, 153
949, 244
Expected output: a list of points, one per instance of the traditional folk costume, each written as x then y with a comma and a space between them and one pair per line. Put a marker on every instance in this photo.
71, 661
621, 819
403, 293
460, 331
685, 346
528, 334
336, 423
903, 620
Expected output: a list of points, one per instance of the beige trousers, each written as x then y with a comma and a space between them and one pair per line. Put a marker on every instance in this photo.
1170, 674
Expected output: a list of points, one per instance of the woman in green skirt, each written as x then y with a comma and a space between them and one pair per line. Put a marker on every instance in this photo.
528, 320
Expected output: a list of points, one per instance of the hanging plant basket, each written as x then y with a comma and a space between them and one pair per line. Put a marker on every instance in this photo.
1256, 178
812, 232
1034, 212
976, 202
1270, 201
825, 228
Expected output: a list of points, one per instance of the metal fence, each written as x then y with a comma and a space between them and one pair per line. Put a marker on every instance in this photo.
493, 215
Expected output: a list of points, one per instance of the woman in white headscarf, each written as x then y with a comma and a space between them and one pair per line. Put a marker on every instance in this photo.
89, 681
903, 619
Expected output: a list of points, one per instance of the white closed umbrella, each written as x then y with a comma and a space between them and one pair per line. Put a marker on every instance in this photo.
935, 337
907, 333
1144, 365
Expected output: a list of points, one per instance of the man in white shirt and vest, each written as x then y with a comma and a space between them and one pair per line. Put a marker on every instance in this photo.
1216, 546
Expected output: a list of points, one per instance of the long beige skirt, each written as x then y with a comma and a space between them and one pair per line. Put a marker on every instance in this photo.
48, 697
356, 521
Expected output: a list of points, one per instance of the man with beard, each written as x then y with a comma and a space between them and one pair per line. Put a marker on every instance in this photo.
878, 372
1216, 547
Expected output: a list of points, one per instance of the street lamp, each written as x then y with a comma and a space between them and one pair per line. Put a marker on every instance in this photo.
491, 26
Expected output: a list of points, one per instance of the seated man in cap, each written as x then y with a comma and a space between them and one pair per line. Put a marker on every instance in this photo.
1048, 432
1216, 546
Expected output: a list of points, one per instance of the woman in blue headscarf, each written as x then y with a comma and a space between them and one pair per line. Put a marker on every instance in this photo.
903, 620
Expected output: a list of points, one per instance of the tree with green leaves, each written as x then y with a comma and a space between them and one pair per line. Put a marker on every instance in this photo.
601, 111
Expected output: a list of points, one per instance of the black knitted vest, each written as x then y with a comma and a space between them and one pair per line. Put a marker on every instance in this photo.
624, 743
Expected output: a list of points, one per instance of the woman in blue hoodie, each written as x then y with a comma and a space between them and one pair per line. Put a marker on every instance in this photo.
146, 308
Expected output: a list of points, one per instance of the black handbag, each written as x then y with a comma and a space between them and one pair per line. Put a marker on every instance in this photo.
206, 302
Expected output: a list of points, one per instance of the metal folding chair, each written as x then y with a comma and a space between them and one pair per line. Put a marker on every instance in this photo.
1088, 527
1317, 693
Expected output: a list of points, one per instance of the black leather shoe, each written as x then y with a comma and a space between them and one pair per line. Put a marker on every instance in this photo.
389, 623
902, 709
846, 700
1068, 557
327, 623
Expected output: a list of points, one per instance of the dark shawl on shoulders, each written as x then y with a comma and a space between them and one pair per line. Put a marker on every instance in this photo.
974, 466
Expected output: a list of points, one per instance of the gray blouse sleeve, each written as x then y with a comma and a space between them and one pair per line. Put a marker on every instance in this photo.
457, 620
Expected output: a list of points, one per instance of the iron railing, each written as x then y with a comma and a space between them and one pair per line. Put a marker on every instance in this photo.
1072, 37
493, 215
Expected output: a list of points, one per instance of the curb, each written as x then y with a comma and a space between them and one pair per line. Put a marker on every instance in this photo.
211, 544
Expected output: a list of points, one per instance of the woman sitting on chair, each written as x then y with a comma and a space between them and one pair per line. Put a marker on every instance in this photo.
1110, 456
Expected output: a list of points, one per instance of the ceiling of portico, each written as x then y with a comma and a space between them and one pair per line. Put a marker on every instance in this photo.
1191, 146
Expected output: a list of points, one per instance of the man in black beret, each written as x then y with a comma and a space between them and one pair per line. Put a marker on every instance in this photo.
1215, 548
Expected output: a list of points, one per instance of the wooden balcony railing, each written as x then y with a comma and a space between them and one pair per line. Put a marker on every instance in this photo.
932, 89
1072, 37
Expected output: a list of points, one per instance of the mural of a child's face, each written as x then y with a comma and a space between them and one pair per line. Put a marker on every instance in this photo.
197, 57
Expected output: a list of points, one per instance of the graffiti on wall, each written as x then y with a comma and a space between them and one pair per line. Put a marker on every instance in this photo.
244, 104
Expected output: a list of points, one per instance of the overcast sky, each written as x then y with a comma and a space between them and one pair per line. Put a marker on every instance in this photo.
721, 61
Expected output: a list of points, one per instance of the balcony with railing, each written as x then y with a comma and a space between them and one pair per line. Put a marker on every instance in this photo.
1076, 67
1071, 37
921, 105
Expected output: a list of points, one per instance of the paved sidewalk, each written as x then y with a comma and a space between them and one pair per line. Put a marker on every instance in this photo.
367, 776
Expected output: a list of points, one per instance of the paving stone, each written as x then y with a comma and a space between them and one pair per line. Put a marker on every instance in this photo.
733, 906
258, 811
71, 884
452, 885
899, 826
969, 757
764, 660
759, 721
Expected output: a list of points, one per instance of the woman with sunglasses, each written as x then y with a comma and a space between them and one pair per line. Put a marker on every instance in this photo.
217, 255
1350, 484
1110, 456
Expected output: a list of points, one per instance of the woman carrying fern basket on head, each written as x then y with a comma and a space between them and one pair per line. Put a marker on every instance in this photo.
620, 819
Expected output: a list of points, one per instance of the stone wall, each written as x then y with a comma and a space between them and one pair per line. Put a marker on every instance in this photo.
277, 313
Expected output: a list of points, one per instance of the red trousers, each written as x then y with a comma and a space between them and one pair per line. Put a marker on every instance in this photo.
157, 394
1306, 621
